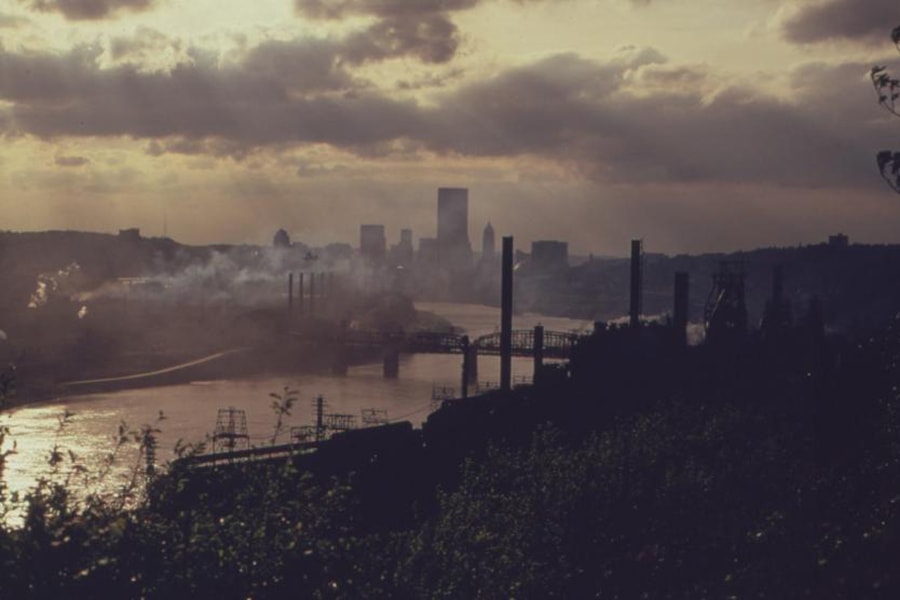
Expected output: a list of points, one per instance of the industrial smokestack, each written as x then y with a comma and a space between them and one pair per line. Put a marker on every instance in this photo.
680, 313
300, 295
637, 286
290, 296
777, 284
312, 294
506, 308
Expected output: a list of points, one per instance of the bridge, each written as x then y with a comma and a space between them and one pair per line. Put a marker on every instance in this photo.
537, 343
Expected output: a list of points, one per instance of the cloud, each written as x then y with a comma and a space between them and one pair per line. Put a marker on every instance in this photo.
432, 39
71, 161
823, 20
80, 10
144, 44
582, 113
12, 21
632, 118
337, 9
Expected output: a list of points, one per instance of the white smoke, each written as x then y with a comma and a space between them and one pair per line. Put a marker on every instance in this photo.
241, 277
63, 282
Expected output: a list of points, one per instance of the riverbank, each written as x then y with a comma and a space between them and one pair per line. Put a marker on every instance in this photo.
281, 356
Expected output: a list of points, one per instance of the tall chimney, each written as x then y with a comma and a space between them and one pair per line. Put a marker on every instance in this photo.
300, 294
777, 284
680, 317
636, 283
312, 294
506, 308
290, 296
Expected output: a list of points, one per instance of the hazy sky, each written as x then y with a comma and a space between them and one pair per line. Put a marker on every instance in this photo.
694, 124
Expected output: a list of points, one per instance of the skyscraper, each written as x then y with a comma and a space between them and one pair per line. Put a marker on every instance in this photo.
372, 242
487, 243
453, 227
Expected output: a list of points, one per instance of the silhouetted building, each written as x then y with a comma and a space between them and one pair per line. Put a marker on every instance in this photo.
281, 239
454, 249
402, 253
133, 234
372, 242
838, 241
428, 250
547, 255
487, 243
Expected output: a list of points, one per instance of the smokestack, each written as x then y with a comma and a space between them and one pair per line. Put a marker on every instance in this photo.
300, 294
636, 283
506, 308
680, 319
777, 284
290, 296
312, 294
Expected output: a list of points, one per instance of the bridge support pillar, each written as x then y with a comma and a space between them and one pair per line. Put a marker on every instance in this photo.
472, 371
469, 366
538, 352
391, 362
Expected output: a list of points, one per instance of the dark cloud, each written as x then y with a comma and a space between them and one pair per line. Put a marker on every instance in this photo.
336, 9
79, 10
71, 161
868, 20
620, 120
578, 112
432, 39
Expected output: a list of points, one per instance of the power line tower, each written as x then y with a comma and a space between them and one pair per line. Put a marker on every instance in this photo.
231, 430
725, 315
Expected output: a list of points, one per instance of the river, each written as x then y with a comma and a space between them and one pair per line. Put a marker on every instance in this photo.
190, 410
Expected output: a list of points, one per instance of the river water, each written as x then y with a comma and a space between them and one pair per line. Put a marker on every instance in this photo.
190, 410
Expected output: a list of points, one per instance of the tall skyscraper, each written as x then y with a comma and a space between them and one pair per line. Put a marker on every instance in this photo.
453, 227
487, 243
372, 242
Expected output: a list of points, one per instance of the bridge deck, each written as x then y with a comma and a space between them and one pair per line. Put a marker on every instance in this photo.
557, 344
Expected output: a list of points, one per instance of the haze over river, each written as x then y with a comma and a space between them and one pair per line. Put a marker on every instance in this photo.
190, 409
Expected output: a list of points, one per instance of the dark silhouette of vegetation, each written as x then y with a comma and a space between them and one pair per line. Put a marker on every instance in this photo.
641, 470
888, 90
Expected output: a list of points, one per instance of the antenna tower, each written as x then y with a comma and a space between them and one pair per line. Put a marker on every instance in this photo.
231, 430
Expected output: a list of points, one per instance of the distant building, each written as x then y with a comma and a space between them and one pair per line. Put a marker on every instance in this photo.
454, 249
402, 253
549, 254
838, 241
487, 243
428, 250
281, 239
133, 234
372, 242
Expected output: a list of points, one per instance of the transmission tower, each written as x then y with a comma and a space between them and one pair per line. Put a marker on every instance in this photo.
231, 430
726, 311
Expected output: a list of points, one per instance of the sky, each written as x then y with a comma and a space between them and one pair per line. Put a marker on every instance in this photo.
696, 125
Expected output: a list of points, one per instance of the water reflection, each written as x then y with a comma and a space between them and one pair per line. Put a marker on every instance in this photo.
190, 409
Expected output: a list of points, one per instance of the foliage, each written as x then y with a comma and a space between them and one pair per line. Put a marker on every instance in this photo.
682, 498
887, 89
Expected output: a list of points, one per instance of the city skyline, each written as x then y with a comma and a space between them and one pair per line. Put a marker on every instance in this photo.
697, 126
